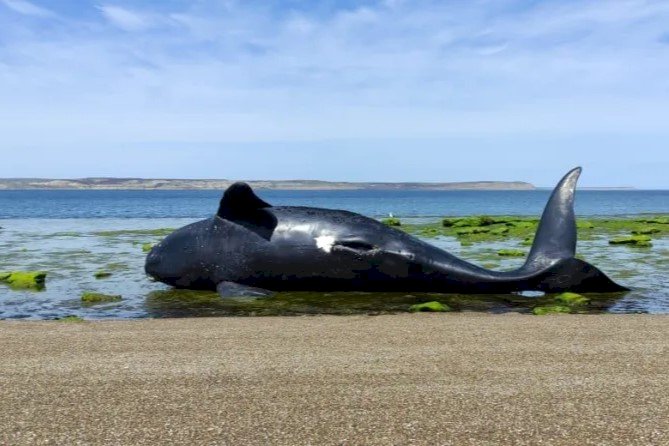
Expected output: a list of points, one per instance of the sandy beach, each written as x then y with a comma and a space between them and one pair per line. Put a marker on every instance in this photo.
396, 379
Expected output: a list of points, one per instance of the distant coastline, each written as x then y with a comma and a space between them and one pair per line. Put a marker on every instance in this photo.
212, 184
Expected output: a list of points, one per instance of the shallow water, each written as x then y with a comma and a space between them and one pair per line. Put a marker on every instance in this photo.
72, 250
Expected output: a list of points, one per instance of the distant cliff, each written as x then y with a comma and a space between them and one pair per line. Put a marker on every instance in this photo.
178, 184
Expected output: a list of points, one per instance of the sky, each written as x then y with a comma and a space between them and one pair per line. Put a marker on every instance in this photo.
393, 90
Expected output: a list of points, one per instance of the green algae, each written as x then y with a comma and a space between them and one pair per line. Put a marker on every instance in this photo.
116, 267
391, 221
572, 299
511, 253
551, 309
433, 306
482, 229
460, 222
472, 230
102, 274
660, 220
502, 230
91, 297
34, 280
634, 240
584, 224
646, 231
161, 232
146, 247
522, 224
430, 232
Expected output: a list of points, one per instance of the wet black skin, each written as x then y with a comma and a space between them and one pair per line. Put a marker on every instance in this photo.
250, 247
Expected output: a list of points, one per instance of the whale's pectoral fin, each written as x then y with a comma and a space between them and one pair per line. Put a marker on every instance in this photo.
232, 289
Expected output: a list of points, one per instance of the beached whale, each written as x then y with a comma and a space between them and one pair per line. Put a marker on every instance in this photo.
250, 248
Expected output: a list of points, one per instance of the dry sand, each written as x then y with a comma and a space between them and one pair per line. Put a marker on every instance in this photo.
399, 379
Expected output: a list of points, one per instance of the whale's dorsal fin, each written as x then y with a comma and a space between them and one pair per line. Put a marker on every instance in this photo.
239, 199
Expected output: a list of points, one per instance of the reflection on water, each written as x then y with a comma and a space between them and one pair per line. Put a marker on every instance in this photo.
72, 251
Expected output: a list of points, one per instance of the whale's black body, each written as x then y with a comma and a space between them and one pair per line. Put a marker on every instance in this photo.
250, 247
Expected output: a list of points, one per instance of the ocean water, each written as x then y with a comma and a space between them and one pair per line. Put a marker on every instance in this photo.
374, 203
66, 233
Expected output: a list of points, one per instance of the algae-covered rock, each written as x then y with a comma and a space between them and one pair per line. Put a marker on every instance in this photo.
430, 232
102, 274
572, 299
634, 240
511, 253
90, 297
500, 230
436, 307
584, 224
24, 279
465, 222
646, 231
449, 222
522, 224
551, 309
472, 230
392, 221
656, 220
146, 247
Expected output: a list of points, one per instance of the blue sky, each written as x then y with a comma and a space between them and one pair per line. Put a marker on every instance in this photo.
339, 90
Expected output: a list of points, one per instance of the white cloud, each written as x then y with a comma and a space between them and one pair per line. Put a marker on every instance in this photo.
26, 8
124, 18
221, 74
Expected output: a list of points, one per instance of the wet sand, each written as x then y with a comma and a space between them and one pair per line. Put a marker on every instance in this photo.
398, 379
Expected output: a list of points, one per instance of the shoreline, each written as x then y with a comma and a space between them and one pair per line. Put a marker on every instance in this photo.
398, 379
221, 184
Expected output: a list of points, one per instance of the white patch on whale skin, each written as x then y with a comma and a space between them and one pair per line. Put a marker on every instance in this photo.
325, 242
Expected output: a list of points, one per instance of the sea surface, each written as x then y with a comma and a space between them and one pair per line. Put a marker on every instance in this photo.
374, 203
72, 234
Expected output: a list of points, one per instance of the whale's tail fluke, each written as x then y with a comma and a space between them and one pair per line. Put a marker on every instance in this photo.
551, 261
556, 236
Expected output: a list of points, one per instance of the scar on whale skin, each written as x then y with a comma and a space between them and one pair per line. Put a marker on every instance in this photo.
326, 242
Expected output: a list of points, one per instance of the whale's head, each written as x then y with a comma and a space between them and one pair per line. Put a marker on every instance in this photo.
181, 259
